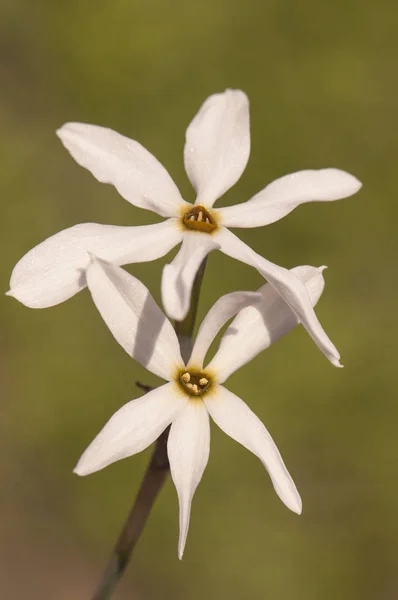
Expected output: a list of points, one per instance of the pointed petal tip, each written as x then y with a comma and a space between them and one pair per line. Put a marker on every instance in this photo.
65, 127
9, 293
297, 507
322, 268
293, 502
79, 471
62, 131
357, 183
353, 184
82, 467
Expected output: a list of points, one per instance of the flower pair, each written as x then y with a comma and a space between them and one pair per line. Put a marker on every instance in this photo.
215, 155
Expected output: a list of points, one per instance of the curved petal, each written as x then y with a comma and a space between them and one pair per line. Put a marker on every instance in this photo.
281, 196
179, 275
132, 428
53, 271
188, 448
288, 286
224, 309
255, 328
217, 145
134, 318
234, 417
113, 158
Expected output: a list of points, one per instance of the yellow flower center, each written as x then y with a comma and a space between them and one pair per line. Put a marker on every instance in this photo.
194, 383
199, 219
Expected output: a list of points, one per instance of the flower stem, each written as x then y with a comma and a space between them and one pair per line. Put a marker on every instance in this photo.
184, 329
156, 473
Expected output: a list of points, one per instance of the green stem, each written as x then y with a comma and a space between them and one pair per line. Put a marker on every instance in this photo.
156, 473
184, 329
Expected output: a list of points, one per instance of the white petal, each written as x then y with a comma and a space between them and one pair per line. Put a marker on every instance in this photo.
217, 145
113, 158
234, 417
224, 309
53, 271
288, 286
280, 197
255, 328
179, 275
188, 449
132, 428
134, 318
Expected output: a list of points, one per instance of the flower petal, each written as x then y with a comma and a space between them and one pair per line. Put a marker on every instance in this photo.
179, 275
217, 145
134, 318
224, 309
288, 286
281, 196
188, 449
255, 328
53, 271
234, 417
132, 428
113, 158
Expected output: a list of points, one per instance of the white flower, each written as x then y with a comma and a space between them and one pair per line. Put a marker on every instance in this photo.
216, 152
193, 391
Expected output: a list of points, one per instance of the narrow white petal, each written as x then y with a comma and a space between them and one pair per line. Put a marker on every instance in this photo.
179, 275
188, 449
280, 197
224, 309
217, 145
256, 327
134, 318
132, 428
113, 158
234, 417
288, 286
53, 271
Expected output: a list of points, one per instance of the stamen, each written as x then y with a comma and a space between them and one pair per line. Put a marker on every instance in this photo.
194, 382
199, 219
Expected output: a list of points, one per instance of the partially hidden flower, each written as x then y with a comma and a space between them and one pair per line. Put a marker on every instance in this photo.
192, 392
216, 153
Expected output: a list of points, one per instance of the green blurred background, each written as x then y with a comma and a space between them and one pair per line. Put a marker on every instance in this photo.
323, 82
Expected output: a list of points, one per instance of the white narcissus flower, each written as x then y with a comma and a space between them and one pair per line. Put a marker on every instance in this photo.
192, 392
216, 153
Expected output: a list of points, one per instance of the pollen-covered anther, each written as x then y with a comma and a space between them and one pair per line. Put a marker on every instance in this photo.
199, 219
194, 382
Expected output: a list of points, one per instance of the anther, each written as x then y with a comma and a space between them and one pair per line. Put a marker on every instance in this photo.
198, 218
186, 377
203, 382
195, 388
